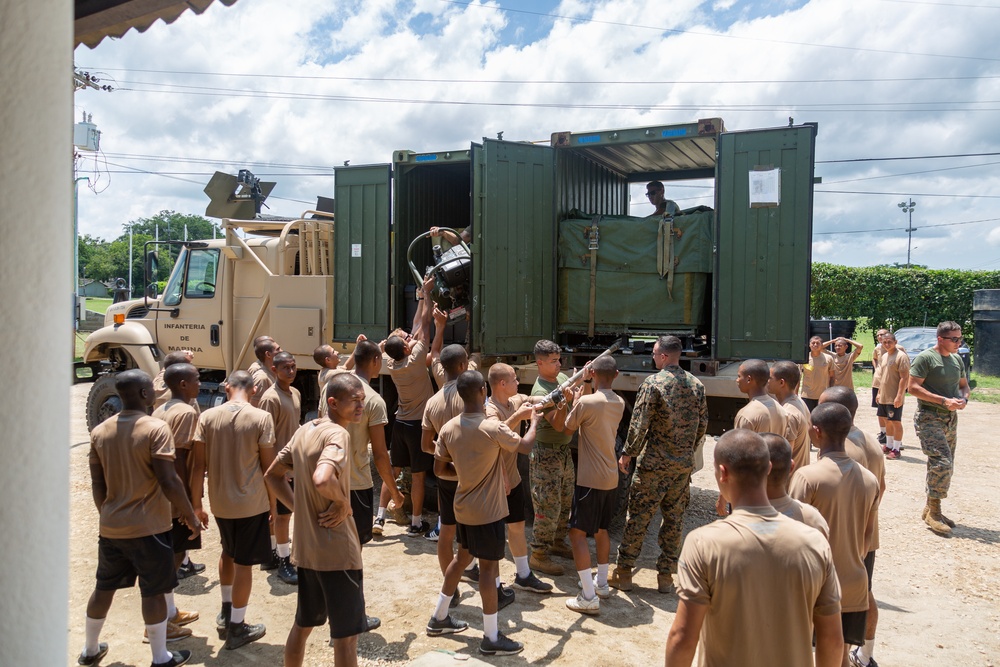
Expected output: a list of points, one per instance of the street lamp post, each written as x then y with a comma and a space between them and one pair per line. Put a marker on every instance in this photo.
907, 207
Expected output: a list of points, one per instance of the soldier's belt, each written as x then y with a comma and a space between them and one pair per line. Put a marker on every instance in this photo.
551, 445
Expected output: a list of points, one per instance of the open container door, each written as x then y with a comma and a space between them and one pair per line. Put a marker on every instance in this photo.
514, 247
361, 295
764, 199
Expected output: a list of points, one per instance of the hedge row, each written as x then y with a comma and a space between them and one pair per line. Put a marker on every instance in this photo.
890, 298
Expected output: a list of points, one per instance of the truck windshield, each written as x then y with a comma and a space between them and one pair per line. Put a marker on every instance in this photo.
172, 292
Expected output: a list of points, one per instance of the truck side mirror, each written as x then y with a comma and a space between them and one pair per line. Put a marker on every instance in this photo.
151, 290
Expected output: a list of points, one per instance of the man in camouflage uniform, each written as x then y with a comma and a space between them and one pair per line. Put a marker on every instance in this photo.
939, 383
669, 419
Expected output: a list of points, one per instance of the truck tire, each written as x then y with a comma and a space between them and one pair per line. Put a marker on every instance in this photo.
103, 401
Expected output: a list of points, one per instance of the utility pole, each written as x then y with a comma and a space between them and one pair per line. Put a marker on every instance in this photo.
907, 207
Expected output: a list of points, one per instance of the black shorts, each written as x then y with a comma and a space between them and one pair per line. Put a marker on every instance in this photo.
361, 507
874, 397
248, 540
515, 505
593, 509
487, 542
446, 501
853, 623
811, 403
338, 596
282, 510
149, 559
405, 451
890, 412
870, 568
180, 535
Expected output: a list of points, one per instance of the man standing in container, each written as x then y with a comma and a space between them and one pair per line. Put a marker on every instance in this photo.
656, 195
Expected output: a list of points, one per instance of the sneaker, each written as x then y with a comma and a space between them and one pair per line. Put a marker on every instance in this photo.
505, 597
886, 449
893, 454
372, 623
287, 572
881, 437
413, 531
175, 633
222, 620
184, 617
531, 583
855, 660
433, 535
503, 645
561, 548
241, 634
271, 564
603, 592
84, 659
446, 626
378, 526
189, 569
177, 658
585, 606
472, 574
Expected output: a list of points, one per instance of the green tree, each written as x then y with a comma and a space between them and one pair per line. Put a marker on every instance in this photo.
170, 226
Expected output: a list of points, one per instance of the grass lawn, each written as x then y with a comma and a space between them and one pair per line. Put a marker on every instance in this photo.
98, 305
985, 388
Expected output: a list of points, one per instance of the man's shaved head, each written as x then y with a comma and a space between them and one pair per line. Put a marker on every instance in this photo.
453, 357
469, 385
135, 389
780, 453
177, 357
177, 373
787, 371
745, 456
841, 396
756, 370
240, 380
832, 419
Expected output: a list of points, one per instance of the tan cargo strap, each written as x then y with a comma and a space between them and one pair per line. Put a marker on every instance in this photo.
594, 236
665, 261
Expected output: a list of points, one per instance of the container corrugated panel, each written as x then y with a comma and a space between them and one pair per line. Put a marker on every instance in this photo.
631, 293
583, 184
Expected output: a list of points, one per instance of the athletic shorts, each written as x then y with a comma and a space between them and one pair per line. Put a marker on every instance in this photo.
338, 596
853, 623
592, 509
446, 501
405, 451
149, 559
361, 507
890, 412
180, 535
811, 403
874, 397
515, 505
870, 568
282, 510
487, 542
247, 540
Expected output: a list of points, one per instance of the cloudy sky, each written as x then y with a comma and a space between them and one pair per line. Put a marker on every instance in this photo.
292, 89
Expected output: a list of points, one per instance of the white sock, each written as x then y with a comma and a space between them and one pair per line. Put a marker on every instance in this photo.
866, 651
897, 445
171, 607
93, 634
521, 563
186, 559
441, 610
227, 593
498, 581
284, 550
381, 513
274, 543
157, 634
889, 440
602, 574
415, 520
439, 525
490, 626
239, 613
881, 429
587, 581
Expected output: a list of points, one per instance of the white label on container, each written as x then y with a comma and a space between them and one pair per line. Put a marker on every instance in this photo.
355, 250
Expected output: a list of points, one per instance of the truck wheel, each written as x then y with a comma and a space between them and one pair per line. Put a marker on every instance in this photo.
103, 401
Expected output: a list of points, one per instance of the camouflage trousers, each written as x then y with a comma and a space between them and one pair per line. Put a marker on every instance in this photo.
669, 491
938, 434
552, 481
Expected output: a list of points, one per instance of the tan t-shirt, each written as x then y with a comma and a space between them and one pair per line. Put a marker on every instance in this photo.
413, 384
797, 431
163, 393
125, 446
285, 407
234, 434
361, 459
763, 577
876, 365
316, 548
441, 407
864, 449
503, 413
762, 415
324, 377
890, 371
263, 378
816, 375
800, 511
440, 377
597, 416
843, 369
182, 420
473, 443
846, 494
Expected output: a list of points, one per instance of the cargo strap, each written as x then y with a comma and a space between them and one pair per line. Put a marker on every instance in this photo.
665, 260
594, 235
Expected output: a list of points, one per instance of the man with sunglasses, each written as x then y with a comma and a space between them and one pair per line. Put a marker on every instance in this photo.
656, 195
938, 381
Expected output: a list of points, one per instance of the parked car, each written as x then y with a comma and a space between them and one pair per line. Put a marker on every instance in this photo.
917, 339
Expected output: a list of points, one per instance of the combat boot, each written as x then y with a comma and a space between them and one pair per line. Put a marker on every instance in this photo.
621, 578
933, 518
541, 562
665, 583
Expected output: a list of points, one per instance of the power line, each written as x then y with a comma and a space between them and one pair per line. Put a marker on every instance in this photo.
908, 194
942, 4
907, 157
199, 160
903, 229
911, 173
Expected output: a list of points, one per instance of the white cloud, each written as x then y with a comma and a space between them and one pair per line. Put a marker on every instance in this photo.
993, 237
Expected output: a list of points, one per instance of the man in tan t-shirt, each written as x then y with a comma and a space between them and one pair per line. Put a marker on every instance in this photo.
595, 496
783, 385
134, 483
160, 384
326, 550
235, 442
468, 452
877, 380
894, 375
263, 376
284, 403
845, 353
782, 466
817, 373
846, 494
255, 366
759, 582
328, 361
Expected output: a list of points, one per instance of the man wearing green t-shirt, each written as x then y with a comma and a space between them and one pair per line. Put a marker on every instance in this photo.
553, 476
939, 383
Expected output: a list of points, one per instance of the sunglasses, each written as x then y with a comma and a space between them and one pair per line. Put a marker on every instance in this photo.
954, 339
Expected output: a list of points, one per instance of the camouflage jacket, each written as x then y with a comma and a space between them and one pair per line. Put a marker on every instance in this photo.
669, 419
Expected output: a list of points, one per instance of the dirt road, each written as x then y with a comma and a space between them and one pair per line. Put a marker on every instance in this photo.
938, 598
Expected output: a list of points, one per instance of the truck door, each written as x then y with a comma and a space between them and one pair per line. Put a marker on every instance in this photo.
194, 293
361, 291
764, 198
514, 247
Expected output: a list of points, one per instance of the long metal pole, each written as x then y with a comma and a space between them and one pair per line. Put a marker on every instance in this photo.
130, 261
76, 250
909, 238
